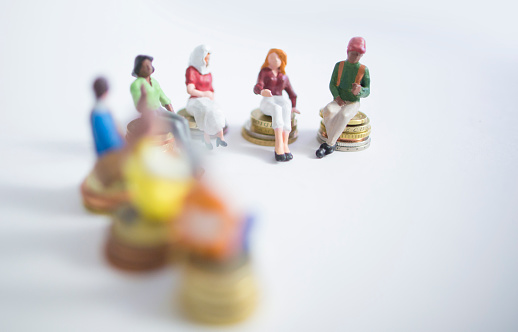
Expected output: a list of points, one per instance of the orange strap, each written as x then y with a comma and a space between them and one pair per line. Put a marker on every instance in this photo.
340, 71
359, 76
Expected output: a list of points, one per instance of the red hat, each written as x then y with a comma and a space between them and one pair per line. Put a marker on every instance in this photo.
356, 44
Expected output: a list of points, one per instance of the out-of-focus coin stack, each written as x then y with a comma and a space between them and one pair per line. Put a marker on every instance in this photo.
195, 131
355, 137
137, 245
219, 293
258, 129
163, 138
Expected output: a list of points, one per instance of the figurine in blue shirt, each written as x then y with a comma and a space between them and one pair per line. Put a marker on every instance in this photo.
106, 135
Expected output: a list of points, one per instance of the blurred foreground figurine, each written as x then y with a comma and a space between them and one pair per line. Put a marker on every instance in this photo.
271, 82
350, 82
155, 106
207, 114
218, 283
158, 184
104, 189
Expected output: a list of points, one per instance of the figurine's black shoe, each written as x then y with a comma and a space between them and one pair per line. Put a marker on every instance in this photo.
289, 156
221, 142
321, 152
329, 148
280, 157
209, 146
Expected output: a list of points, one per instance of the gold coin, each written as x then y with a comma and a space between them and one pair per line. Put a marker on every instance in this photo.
259, 119
353, 129
359, 119
265, 130
248, 135
348, 136
361, 142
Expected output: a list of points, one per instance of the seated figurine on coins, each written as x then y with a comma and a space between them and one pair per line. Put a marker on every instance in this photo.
207, 114
156, 103
103, 190
350, 81
158, 184
218, 283
272, 81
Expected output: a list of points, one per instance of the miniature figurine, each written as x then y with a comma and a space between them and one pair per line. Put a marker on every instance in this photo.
271, 82
207, 114
350, 81
218, 282
158, 184
103, 190
151, 101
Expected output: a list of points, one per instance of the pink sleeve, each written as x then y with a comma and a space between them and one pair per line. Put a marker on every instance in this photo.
191, 76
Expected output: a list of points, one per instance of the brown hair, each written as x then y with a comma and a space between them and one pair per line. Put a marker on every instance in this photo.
100, 86
282, 55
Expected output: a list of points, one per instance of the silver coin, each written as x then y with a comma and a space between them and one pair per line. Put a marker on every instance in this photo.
321, 139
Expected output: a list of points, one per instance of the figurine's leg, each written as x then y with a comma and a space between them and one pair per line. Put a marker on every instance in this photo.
340, 121
181, 132
269, 107
286, 118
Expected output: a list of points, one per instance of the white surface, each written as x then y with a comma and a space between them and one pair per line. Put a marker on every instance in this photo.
417, 233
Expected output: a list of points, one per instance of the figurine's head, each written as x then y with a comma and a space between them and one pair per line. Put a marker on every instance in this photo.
355, 49
143, 66
276, 59
199, 59
100, 87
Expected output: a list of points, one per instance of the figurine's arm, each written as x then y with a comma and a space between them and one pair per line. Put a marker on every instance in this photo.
191, 77
292, 95
332, 84
136, 93
164, 100
366, 84
258, 87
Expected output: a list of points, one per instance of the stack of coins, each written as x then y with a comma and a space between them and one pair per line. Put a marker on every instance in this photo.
355, 136
100, 199
258, 129
135, 244
163, 138
218, 293
195, 131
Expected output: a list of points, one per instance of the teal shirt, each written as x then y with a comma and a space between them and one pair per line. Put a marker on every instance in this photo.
155, 95
348, 75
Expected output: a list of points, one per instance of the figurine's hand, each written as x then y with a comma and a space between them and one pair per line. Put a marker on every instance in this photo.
339, 101
266, 93
356, 89
294, 110
209, 94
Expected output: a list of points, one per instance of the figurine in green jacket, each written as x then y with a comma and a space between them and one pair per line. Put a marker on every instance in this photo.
149, 98
350, 82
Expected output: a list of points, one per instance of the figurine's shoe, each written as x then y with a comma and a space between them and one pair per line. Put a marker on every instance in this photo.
209, 146
280, 157
321, 152
329, 148
221, 142
289, 156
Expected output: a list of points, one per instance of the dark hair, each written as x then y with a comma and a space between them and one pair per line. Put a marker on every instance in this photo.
138, 64
100, 86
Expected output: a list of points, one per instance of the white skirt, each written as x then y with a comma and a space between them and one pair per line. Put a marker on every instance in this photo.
207, 114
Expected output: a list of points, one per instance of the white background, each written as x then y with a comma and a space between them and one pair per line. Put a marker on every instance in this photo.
417, 233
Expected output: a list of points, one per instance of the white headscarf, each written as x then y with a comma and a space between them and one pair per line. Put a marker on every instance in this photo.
197, 59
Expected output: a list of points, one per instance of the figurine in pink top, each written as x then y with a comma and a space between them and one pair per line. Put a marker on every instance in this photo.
272, 81
207, 114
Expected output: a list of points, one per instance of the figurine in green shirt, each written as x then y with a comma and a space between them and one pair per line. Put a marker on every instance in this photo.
149, 98
350, 82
